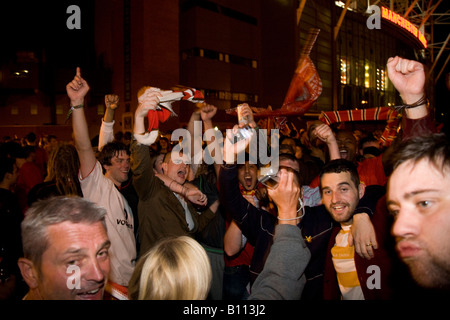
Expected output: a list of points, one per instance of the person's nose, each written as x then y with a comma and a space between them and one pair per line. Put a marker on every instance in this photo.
406, 224
335, 197
96, 271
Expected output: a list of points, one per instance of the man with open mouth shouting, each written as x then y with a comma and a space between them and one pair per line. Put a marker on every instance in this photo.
165, 200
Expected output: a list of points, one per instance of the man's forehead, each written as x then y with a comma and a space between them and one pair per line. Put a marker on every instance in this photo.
178, 158
290, 164
337, 177
121, 154
345, 135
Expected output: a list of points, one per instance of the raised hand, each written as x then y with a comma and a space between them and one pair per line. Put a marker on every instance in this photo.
112, 101
208, 112
324, 133
408, 77
148, 101
286, 197
77, 89
230, 149
247, 113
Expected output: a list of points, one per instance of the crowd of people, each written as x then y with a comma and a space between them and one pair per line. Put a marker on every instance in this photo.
136, 218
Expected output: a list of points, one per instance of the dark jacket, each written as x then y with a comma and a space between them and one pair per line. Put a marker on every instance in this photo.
392, 276
160, 212
258, 226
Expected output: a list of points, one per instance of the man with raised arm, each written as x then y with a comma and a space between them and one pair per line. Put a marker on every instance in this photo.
102, 189
165, 201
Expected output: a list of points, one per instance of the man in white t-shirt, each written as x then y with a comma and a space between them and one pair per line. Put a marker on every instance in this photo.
102, 188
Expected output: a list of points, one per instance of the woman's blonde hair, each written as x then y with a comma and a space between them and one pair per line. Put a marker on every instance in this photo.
174, 269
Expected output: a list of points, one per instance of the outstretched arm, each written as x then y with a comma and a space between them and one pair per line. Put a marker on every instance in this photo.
188, 190
208, 112
77, 90
107, 128
147, 102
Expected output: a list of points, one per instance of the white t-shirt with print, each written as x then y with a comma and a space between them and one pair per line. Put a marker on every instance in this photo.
119, 222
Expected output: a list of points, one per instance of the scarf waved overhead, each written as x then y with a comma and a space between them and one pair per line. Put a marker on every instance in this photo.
304, 89
164, 109
381, 113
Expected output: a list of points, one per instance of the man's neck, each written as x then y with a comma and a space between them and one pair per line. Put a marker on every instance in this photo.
346, 223
33, 295
118, 184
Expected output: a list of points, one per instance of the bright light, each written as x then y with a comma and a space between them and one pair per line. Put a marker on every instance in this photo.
341, 4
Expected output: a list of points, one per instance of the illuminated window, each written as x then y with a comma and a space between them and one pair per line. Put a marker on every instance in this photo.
34, 109
343, 71
366, 76
60, 109
100, 109
357, 74
381, 80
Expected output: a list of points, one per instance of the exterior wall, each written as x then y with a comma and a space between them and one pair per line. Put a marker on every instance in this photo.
234, 51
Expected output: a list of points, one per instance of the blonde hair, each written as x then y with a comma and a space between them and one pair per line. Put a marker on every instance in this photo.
174, 269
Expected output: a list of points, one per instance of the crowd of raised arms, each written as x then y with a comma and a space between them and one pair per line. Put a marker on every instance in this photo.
135, 218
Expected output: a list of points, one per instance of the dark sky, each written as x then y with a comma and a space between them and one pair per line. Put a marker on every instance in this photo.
32, 25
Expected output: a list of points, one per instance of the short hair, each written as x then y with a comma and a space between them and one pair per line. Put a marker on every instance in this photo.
45, 213
338, 166
110, 150
435, 148
176, 268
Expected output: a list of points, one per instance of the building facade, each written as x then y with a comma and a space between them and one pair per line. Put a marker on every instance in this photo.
234, 51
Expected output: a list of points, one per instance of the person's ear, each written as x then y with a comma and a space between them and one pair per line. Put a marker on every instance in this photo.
164, 167
29, 272
361, 189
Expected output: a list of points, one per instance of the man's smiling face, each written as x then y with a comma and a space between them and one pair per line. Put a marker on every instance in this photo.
340, 196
